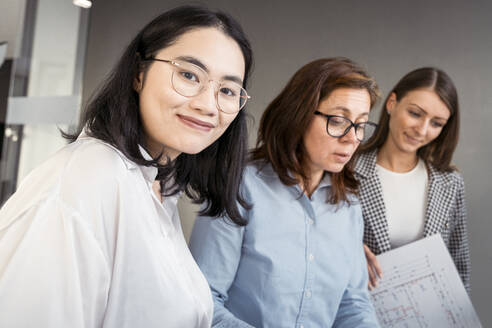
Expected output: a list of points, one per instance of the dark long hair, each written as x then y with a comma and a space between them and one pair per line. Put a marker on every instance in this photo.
213, 175
287, 118
440, 151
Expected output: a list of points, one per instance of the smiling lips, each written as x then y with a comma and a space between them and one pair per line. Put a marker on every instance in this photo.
195, 123
413, 140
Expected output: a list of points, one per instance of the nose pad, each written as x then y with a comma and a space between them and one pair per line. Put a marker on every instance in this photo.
351, 136
206, 100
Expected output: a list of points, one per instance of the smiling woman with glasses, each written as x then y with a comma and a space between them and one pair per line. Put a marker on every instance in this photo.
92, 238
299, 261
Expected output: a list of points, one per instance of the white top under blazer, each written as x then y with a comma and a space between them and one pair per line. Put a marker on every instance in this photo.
405, 198
85, 242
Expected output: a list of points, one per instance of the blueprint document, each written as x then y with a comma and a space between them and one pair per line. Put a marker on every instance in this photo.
421, 288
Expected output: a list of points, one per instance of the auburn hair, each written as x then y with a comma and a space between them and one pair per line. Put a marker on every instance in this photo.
287, 118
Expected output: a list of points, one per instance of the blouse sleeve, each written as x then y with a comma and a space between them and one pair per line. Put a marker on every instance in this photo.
52, 270
458, 240
216, 246
356, 309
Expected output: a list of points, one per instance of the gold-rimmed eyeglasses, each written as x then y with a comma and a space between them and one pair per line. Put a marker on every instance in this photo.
190, 80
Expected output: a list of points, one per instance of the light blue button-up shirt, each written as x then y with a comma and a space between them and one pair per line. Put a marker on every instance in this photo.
298, 263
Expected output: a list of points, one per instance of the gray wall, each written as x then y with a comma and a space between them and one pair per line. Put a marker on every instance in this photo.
389, 38
11, 23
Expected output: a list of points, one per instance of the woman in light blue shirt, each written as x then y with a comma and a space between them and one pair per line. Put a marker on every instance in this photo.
299, 260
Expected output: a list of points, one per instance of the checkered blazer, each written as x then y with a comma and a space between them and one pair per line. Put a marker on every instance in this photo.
445, 213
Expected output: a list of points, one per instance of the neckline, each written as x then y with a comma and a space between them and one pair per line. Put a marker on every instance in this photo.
418, 167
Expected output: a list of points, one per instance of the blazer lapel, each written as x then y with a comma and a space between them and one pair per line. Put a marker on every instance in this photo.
371, 195
439, 201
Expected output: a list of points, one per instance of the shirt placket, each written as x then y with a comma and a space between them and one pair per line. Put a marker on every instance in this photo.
167, 222
308, 290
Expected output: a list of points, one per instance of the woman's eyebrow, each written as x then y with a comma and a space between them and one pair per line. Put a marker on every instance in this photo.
197, 62
347, 111
419, 107
194, 61
233, 78
437, 117
342, 108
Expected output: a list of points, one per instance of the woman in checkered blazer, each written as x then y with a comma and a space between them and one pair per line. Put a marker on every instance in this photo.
408, 187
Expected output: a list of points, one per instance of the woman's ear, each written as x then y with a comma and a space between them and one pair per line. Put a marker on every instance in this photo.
391, 103
137, 82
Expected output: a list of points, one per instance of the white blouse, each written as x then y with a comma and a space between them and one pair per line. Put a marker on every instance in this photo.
405, 199
84, 242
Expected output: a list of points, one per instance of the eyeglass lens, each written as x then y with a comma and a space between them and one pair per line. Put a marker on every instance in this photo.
189, 80
340, 126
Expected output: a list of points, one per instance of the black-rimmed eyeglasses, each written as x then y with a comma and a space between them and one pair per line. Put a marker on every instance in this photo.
338, 126
190, 80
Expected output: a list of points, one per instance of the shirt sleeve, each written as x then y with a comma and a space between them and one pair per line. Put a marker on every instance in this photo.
52, 270
216, 246
356, 308
458, 240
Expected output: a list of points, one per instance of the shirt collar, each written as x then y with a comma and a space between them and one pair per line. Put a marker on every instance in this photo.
268, 171
325, 180
149, 172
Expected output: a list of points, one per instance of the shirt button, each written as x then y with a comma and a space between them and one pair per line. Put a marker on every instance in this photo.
310, 221
301, 326
311, 257
307, 294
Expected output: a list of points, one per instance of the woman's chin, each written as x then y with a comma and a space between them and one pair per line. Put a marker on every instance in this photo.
334, 167
192, 149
